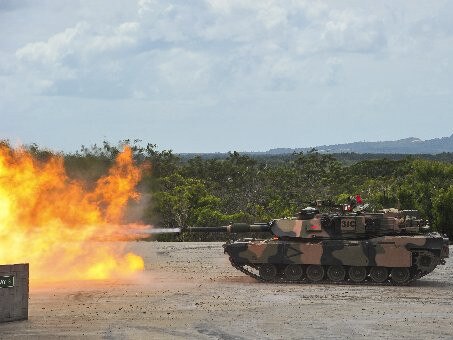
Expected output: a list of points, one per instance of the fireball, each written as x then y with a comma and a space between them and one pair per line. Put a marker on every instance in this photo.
58, 225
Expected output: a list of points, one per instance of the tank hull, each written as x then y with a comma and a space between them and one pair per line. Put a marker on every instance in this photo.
418, 254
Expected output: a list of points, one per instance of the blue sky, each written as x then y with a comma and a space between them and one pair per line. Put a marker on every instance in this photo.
217, 75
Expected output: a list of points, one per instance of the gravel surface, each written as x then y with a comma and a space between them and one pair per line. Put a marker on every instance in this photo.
190, 291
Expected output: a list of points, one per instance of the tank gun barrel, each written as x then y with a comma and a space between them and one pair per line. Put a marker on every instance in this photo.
233, 228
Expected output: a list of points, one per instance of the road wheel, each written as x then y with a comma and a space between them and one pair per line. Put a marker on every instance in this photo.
379, 274
426, 261
268, 271
357, 274
336, 273
315, 273
293, 272
400, 275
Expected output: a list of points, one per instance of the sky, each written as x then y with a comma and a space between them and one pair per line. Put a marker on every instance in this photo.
218, 75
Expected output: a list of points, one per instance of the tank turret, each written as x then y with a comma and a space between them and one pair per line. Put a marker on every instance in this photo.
310, 223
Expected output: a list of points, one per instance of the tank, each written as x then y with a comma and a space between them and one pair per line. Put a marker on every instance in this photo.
346, 244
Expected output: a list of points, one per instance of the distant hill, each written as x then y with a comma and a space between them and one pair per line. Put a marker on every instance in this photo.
402, 146
441, 147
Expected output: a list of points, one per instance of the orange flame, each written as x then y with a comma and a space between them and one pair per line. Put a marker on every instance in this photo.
51, 221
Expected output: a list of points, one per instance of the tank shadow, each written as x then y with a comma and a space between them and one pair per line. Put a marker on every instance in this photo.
433, 284
419, 283
237, 279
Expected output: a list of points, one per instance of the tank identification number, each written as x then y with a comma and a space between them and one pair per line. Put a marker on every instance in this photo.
348, 224
7, 281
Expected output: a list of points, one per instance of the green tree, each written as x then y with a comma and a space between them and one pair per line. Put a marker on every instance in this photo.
186, 202
443, 211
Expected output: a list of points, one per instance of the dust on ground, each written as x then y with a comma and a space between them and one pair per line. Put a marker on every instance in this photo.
190, 291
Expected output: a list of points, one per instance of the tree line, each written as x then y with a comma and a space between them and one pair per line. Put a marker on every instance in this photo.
210, 191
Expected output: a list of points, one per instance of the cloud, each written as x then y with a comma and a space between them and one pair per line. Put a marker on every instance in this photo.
350, 32
250, 44
55, 48
323, 57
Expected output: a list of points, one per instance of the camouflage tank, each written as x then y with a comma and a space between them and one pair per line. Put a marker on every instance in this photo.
346, 245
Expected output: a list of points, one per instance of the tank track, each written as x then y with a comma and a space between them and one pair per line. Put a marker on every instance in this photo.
415, 275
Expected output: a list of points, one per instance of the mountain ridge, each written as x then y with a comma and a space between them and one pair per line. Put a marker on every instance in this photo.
410, 145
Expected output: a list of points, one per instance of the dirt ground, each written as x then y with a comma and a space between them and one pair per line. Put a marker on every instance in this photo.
189, 291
